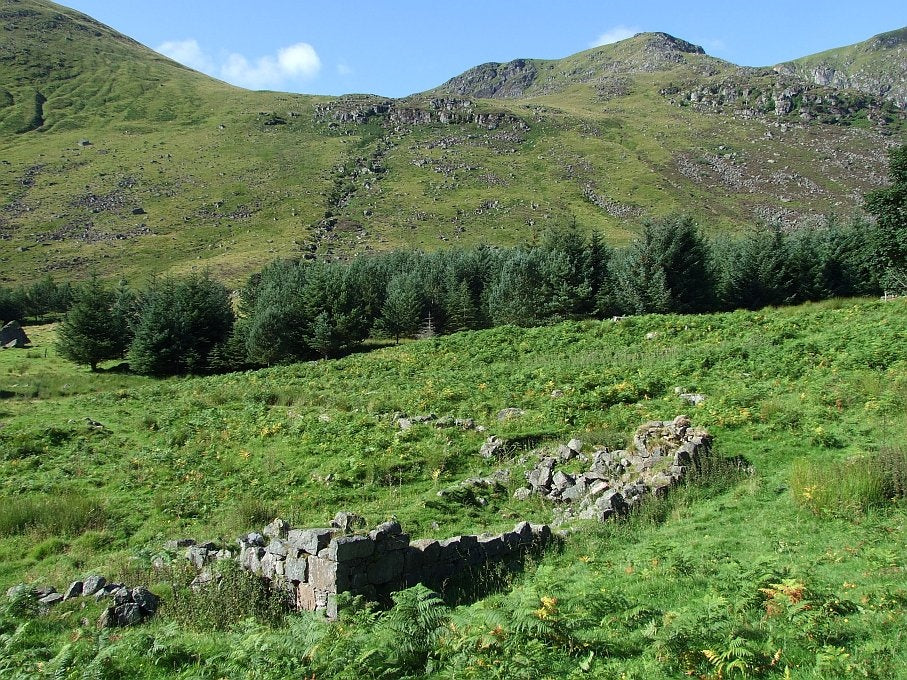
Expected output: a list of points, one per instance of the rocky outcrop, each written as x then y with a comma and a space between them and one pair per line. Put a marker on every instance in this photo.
786, 98
401, 113
877, 67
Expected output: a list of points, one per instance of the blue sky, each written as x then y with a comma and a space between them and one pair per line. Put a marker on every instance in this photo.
398, 47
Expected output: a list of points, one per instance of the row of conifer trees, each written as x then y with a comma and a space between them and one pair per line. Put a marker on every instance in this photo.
298, 309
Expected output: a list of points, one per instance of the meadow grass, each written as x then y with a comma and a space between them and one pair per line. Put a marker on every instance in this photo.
732, 562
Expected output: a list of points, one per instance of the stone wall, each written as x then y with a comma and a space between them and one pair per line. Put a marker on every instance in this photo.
315, 565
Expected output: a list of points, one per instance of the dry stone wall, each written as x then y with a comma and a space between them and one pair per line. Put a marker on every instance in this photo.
315, 565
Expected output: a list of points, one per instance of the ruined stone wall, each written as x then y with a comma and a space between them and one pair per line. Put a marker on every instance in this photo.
315, 565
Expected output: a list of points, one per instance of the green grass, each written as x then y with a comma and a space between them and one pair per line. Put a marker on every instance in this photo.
733, 563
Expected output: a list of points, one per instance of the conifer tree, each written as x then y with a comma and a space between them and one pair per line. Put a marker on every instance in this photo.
92, 331
402, 310
889, 206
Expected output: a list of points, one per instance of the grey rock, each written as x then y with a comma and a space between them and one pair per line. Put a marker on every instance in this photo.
347, 521
74, 590
19, 590
178, 544
575, 445
278, 528
386, 569
296, 569
693, 398
277, 547
122, 595
92, 584
197, 556
565, 453
391, 528
254, 539
561, 480
51, 599
575, 492
311, 541
268, 566
108, 618
127, 614
146, 600
12, 336
522, 494
510, 413
493, 447
345, 548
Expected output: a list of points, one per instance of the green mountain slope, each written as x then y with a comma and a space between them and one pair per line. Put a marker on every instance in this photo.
116, 160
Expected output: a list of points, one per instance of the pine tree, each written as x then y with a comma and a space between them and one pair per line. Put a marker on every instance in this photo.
889, 206
180, 323
402, 309
92, 332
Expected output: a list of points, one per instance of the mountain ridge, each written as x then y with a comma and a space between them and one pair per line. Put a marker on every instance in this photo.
120, 161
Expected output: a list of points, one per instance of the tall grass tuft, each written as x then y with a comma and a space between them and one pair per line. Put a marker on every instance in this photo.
67, 514
839, 488
893, 461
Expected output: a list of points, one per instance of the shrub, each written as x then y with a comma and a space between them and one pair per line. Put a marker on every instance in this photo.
232, 596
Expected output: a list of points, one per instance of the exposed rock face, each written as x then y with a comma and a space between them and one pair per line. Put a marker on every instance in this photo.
12, 335
754, 94
877, 67
397, 113
494, 80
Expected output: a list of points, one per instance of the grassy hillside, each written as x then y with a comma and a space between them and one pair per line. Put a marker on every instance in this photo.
117, 160
792, 562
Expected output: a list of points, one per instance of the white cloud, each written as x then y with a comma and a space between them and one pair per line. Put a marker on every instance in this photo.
188, 53
344, 70
296, 62
614, 35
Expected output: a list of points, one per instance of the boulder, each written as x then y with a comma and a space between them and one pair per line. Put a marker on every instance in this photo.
493, 447
92, 584
311, 541
510, 413
51, 599
146, 600
12, 336
74, 590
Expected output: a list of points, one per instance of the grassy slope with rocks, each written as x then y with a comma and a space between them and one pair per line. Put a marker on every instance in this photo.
793, 566
184, 172
877, 65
